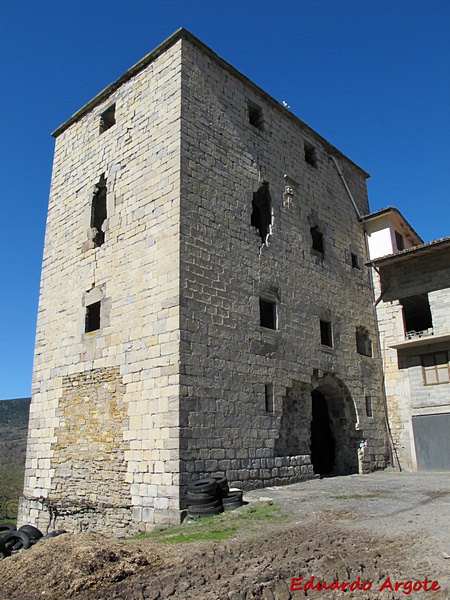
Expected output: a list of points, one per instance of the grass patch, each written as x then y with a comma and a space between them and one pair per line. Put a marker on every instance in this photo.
259, 512
348, 497
212, 528
354, 496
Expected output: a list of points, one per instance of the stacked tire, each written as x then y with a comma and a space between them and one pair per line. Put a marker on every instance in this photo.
13, 540
232, 500
204, 498
211, 496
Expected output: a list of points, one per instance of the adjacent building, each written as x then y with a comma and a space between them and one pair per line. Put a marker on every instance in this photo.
204, 308
412, 291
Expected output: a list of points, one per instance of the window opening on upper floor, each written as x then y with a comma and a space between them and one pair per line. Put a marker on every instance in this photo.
326, 336
267, 314
98, 212
92, 321
317, 240
417, 315
268, 397
435, 368
255, 115
363, 342
310, 154
107, 118
261, 211
399, 241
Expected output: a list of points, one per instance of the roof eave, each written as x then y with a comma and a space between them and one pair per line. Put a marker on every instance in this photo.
427, 248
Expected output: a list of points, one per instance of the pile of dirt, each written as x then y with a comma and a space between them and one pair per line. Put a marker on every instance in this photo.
255, 565
69, 565
371, 531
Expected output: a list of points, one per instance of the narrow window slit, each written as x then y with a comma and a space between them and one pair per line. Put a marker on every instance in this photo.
98, 212
326, 338
261, 211
369, 410
268, 395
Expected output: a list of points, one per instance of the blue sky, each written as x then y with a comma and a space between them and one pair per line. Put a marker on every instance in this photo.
372, 77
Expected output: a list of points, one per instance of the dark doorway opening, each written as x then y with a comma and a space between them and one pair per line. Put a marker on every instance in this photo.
323, 444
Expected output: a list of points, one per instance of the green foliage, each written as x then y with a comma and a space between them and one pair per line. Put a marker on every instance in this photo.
13, 440
11, 485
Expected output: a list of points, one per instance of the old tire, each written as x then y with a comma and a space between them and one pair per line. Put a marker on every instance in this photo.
222, 482
32, 532
4, 527
233, 505
3, 549
16, 540
233, 497
203, 486
205, 507
212, 511
201, 498
52, 534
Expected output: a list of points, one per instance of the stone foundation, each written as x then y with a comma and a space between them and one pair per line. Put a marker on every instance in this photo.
251, 473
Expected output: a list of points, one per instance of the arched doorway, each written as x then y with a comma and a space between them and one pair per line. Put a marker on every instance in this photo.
335, 440
323, 444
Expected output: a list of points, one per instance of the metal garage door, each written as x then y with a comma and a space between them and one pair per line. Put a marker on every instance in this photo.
432, 439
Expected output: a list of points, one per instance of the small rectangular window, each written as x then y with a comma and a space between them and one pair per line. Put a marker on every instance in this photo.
436, 368
363, 343
355, 261
108, 118
255, 115
92, 322
267, 313
399, 240
310, 154
326, 337
369, 411
268, 393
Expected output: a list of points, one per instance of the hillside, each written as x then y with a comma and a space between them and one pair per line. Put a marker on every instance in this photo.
13, 429
13, 440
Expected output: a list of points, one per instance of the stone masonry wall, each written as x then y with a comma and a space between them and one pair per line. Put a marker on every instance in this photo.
135, 277
229, 360
181, 376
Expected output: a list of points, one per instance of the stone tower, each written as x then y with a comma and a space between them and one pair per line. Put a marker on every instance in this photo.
204, 304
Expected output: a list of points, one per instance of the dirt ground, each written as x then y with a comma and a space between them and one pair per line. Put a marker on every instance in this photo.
375, 530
